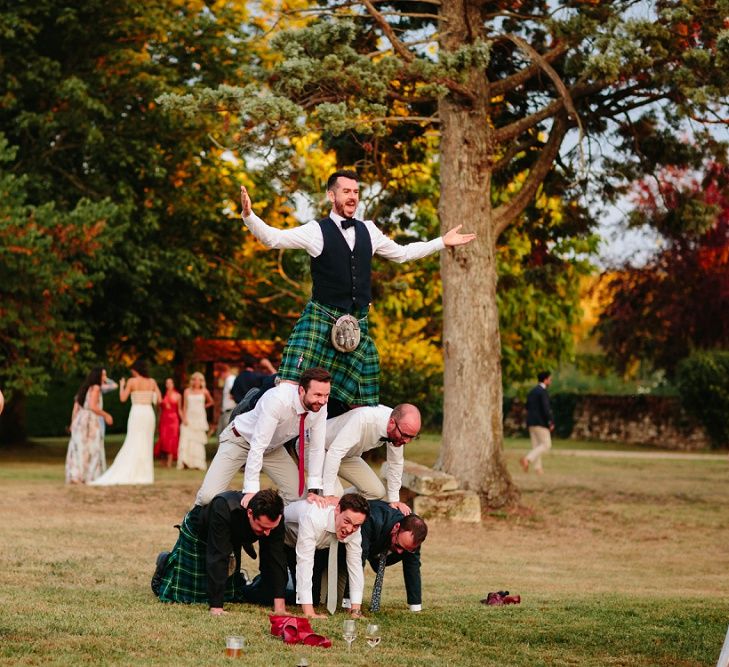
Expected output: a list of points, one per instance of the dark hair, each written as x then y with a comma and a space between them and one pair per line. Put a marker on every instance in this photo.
354, 502
343, 173
316, 373
543, 376
268, 503
141, 367
94, 377
414, 524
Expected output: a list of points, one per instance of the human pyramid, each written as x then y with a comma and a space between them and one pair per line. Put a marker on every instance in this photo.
311, 529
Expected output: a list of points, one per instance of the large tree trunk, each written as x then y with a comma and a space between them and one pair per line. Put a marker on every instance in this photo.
472, 412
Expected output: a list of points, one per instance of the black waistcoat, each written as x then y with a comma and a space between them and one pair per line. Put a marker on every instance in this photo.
343, 277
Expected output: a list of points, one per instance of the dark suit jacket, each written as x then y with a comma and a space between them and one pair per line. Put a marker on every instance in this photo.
376, 539
539, 412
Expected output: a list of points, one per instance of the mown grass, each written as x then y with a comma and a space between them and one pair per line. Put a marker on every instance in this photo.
619, 562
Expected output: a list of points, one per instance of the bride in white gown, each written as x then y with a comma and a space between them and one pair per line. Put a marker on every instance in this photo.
134, 464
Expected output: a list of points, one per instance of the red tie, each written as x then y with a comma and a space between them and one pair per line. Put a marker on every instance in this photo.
301, 453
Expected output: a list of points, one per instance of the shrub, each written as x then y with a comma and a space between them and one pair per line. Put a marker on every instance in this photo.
703, 384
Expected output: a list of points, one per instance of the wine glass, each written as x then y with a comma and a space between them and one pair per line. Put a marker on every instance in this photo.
373, 635
349, 632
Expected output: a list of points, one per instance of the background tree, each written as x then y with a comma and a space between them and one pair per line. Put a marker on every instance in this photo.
678, 301
512, 88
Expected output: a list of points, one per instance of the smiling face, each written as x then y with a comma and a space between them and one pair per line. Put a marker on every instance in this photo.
316, 396
347, 522
344, 196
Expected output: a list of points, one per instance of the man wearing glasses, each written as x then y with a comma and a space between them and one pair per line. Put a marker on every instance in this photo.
389, 537
352, 434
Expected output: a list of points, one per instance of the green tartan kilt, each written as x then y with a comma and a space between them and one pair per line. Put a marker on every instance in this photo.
185, 577
355, 375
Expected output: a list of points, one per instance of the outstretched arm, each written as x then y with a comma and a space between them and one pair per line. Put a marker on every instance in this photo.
453, 237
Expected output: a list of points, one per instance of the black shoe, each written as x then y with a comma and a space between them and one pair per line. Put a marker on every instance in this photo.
159, 571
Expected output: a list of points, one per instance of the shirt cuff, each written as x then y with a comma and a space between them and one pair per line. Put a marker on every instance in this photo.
315, 483
440, 243
415, 607
251, 487
355, 597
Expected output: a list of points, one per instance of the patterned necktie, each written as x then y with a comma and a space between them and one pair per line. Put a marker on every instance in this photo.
301, 452
377, 589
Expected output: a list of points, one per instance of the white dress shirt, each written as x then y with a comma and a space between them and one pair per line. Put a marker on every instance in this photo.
314, 529
272, 423
309, 237
352, 434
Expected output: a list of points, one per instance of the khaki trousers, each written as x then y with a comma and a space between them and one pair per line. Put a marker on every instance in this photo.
541, 444
356, 471
232, 455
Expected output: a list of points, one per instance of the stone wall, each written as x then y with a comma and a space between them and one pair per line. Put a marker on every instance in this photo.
638, 419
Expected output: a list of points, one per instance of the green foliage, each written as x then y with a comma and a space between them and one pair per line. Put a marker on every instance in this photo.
703, 384
563, 410
48, 265
78, 84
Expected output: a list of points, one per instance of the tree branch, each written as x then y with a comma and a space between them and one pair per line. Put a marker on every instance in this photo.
505, 214
509, 132
510, 83
386, 28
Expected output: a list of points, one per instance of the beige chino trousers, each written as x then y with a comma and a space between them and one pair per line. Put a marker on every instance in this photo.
541, 443
232, 455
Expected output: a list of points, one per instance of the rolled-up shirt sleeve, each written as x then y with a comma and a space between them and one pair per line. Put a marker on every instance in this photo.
354, 567
395, 463
305, 237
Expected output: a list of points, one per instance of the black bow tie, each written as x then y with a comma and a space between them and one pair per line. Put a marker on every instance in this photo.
348, 222
385, 440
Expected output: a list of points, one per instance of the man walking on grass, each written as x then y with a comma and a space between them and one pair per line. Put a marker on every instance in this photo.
540, 423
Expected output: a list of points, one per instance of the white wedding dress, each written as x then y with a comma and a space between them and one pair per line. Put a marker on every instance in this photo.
134, 464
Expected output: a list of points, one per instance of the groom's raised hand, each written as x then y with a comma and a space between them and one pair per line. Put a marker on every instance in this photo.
245, 202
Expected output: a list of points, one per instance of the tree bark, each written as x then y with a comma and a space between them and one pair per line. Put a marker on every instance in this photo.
472, 447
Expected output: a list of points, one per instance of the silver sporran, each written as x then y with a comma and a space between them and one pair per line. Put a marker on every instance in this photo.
345, 334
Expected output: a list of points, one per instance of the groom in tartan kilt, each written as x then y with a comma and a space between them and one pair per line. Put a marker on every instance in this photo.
204, 565
341, 250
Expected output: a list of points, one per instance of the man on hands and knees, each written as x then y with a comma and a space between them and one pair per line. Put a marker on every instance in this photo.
255, 440
389, 537
204, 565
310, 527
353, 433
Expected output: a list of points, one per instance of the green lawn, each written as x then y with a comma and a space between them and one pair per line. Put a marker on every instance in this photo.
619, 562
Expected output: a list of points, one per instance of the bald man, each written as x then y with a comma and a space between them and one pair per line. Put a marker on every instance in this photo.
352, 434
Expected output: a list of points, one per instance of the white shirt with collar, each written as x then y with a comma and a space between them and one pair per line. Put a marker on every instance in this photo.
309, 237
228, 403
352, 434
313, 527
272, 423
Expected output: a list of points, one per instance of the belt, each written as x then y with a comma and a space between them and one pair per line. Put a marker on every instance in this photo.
235, 433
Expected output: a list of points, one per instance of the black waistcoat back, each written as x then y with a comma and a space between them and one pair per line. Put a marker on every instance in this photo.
342, 277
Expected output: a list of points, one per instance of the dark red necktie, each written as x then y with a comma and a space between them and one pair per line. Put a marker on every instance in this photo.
302, 418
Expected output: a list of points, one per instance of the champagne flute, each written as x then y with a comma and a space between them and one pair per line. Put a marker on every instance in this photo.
349, 632
373, 634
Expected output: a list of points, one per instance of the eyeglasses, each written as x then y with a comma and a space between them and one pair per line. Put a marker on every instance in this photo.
407, 436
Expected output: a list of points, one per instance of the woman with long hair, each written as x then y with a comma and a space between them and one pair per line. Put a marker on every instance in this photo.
85, 459
134, 464
169, 423
194, 430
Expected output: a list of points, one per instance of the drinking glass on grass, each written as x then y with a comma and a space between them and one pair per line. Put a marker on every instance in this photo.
349, 632
373, 635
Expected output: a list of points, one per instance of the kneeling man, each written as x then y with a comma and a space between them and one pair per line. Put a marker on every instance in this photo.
310, 527
355, 432
204, 565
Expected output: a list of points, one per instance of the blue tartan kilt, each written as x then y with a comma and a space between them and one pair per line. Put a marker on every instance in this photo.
355, 375
185, 577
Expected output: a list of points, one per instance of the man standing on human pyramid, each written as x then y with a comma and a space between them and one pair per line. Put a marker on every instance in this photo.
341, 250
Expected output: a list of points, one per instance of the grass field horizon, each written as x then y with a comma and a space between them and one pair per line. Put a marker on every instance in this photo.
618, 562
